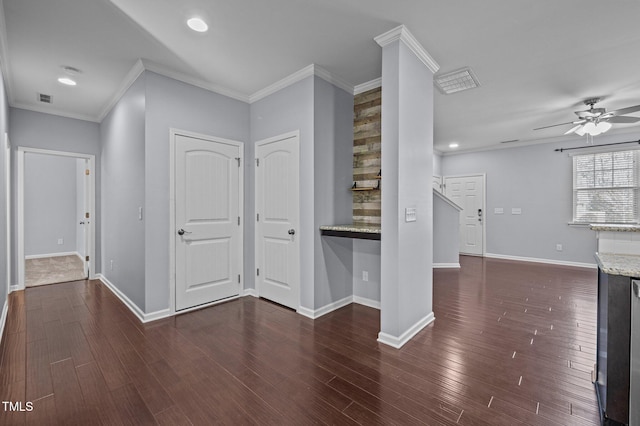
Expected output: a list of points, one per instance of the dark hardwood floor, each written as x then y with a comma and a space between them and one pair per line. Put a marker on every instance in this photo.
513, 343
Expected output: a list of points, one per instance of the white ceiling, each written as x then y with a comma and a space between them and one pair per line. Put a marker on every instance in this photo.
536, 61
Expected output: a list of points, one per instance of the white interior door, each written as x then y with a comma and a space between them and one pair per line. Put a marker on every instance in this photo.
278, 211
468, 193
208, 244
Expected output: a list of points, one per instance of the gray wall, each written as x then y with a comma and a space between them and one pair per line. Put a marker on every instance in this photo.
446, 231
333, 172
407, 165
284, 111
173, 104
37, 130
366, 257
122, 135
539, 181
49, 204
4, 127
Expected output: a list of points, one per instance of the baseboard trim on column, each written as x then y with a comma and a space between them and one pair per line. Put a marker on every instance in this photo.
398, 342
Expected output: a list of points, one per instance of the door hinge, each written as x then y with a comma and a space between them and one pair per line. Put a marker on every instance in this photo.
87, 172
258, 271
86, 258
238, 159
238, 220
257, 162
238, 278
257, 217
86, 215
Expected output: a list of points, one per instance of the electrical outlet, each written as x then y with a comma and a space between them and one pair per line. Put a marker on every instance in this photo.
111, 265
365, 275
60, 241
558, 247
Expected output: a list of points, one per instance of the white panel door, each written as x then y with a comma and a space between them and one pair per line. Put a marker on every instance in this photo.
277, 208
468, 193
208, 247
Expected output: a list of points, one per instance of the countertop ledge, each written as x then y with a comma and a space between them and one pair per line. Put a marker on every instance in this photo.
368, 229
627, 265
615, 227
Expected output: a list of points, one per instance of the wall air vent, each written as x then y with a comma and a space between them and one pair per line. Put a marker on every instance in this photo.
456, 81
47, 99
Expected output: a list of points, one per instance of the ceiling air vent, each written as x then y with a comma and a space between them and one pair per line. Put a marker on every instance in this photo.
47, 99
456, 81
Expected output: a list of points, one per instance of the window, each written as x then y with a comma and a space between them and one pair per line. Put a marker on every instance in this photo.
605, 187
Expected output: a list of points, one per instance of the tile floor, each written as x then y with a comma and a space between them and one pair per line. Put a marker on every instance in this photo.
50, 270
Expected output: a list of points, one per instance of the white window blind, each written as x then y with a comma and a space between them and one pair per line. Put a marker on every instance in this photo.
606, 187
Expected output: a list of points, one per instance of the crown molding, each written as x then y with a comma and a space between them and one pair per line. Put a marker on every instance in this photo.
297, 76
404, 35
59, 113
129, 79
194, 81
369, 85
330, 78
4, 56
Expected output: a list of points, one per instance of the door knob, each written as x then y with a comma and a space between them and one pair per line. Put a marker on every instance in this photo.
182, 232
291, 231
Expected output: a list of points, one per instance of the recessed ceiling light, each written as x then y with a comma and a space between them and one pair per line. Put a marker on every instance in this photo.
67, 81
453, 145
197, 24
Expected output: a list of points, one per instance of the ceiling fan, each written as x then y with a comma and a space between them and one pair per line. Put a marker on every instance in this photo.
595, 121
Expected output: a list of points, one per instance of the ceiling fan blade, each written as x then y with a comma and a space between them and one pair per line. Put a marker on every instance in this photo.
555, 125
573, 129
620, 119
625, 111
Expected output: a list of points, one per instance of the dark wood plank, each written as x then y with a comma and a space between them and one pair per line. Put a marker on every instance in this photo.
71, 408
512, 343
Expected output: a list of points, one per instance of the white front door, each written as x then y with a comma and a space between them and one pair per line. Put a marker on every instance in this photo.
82, 207
468, 193
277, 227
208, 242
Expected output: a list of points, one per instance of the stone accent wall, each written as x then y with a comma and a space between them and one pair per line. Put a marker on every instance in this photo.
367, 108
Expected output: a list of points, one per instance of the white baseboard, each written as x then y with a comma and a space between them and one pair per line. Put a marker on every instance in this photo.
15, 288
313, 314
317, 313
3, 318
42, 256
537, 260
398, 342
446, 265
143, 317
366, 302
250, 292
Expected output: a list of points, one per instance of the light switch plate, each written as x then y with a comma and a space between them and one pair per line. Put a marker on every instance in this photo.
516, 210
410, 214
498, 210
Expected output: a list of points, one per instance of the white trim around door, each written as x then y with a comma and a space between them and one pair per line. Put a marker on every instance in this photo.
90, 202
7, 180
173, 226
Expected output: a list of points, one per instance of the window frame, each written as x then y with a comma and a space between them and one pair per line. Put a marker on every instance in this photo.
634, 187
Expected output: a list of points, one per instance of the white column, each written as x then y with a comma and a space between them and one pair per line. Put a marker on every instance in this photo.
407, 170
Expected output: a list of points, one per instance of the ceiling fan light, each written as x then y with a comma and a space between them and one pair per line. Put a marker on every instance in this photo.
603, 126
580, 131
590, 128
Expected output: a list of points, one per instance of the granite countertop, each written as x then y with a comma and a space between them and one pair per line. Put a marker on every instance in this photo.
615, 227
367, 229
627, 265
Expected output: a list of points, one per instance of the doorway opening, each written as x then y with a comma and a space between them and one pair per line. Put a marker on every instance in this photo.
56, 204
